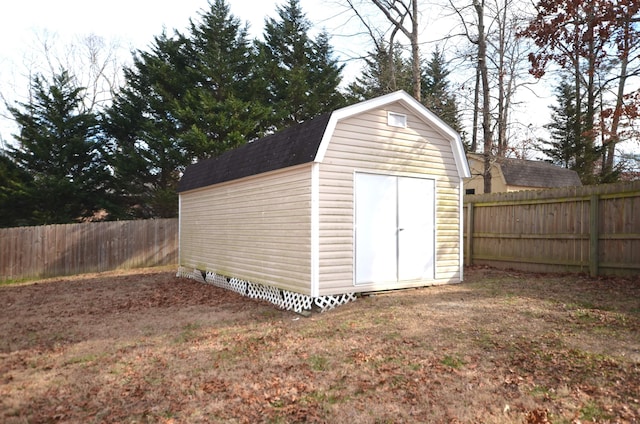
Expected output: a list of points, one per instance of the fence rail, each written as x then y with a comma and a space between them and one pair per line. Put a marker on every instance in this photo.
593, 229
54, 250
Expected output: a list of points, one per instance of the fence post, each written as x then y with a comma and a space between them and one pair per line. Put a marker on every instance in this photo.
594, 236
469, 245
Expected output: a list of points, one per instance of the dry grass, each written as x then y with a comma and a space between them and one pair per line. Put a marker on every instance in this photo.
148, 347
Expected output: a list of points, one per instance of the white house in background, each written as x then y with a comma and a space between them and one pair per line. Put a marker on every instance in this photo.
362, 199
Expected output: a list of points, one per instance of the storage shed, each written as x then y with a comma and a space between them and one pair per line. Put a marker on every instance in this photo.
363, 199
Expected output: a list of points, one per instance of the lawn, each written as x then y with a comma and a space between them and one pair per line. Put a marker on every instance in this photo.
502, 347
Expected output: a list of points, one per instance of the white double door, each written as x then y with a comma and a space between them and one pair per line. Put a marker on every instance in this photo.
394, 234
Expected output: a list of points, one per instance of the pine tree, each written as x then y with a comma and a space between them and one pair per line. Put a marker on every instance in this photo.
142, 125
190, 97
436, 95
564, 147
324, 78
16, 188
299, 75
58, 146
381, 75
220, 110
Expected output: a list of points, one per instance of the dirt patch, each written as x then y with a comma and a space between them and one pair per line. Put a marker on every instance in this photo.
502, 347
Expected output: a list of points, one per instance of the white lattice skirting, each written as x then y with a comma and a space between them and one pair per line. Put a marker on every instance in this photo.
283, 299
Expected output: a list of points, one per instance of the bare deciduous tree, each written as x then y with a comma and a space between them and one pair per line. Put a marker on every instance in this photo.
403, 16
588, 40
479, 39
93, 61
500, 69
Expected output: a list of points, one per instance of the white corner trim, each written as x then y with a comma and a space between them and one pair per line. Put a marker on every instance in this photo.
179, 229
315, 229
461, 248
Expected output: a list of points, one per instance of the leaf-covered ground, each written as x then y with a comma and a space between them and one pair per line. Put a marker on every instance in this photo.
502, 347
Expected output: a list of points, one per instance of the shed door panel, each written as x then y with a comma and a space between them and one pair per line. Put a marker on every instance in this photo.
415, 228
375, 228
394, 233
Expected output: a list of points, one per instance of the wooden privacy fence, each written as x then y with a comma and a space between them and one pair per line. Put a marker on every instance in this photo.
593, 229
53, 250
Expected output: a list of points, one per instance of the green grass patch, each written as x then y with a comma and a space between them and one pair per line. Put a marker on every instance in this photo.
542, 392
453, 361
188, 333
318, 363
322, 398
90, 357
593, 412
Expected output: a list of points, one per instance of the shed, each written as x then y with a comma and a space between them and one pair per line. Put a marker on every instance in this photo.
362, 199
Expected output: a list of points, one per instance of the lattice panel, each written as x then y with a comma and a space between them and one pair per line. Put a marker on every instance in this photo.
191, 274
296, 301
183, 272
238, 286
217, 280
327, 303
233, 284
284, 299
262, 292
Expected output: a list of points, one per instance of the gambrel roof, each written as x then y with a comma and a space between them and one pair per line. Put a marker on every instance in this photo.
294, 146
303, 143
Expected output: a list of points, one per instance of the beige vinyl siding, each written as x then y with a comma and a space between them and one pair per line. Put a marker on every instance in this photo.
365, 143
257, 229
448, 249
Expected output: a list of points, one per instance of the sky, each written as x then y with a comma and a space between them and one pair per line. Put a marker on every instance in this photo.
129, 24
132, 24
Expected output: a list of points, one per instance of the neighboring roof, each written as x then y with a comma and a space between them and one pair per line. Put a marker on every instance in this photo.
293, 146
530, 173
302, 143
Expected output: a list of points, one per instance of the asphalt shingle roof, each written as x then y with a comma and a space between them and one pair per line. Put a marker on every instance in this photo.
293, 146
529, 173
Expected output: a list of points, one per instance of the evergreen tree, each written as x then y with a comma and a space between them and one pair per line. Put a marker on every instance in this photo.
436, 95
16, 206
190, 97
58, 147
299, 76
564, 147
142, 124
220, 109
324, 78
381, 75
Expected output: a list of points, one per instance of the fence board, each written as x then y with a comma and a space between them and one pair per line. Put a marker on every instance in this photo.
592, 229
54, 250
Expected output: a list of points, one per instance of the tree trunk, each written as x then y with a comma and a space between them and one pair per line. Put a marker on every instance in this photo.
607, 165
502, 110
415, 52
591, 101
401, 10
484, 75
476, 108
578, 133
